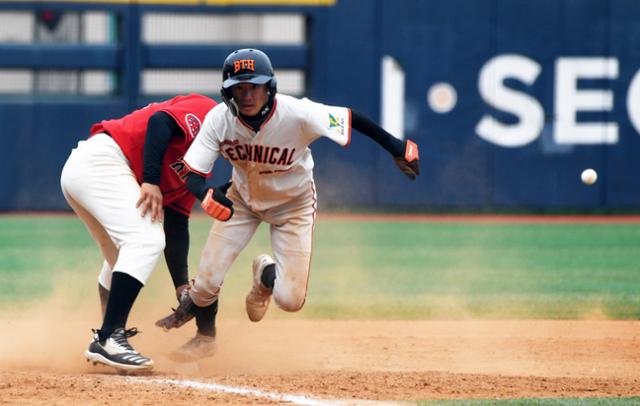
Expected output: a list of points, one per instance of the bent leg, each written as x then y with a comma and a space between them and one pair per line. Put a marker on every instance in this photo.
102, 189
101, 237
108, 248
225, 242
292, 246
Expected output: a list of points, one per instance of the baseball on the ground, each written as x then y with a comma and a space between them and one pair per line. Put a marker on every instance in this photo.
589, 176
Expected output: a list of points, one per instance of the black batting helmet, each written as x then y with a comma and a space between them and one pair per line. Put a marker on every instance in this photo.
246, 66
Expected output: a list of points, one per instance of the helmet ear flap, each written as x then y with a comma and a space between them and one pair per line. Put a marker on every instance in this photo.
273, 86
228, 100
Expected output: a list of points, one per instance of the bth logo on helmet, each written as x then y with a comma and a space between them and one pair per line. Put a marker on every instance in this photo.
244, 64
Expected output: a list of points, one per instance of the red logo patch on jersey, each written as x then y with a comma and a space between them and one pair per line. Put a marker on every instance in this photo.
194, 124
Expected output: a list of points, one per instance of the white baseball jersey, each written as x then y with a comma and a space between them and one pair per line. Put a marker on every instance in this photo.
274, 165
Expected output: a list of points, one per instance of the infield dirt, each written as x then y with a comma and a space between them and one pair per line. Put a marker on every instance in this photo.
41, 361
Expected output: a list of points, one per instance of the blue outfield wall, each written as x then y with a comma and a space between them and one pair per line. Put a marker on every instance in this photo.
544, 89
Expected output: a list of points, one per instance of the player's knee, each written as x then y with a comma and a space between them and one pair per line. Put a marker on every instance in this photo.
156, 240
209, 281
205, 290
290, 300
142, 253
146, 245
154, 243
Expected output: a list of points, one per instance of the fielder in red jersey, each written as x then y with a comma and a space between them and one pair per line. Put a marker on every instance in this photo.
126, 182
129, 132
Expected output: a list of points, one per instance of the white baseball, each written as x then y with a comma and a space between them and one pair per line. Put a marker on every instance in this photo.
589, 176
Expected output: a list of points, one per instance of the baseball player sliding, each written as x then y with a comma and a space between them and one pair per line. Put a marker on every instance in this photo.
266, 137
124, 182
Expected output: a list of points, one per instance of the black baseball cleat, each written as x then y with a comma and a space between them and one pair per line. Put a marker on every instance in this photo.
116, 351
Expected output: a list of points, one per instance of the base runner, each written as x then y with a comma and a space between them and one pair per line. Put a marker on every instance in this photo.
266, 137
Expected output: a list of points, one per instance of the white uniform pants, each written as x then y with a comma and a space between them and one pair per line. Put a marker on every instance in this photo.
102, 189
291, 242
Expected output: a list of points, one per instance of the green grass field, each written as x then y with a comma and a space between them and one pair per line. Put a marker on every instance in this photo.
381, 270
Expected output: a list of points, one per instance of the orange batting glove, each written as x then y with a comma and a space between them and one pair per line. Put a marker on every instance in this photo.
216, 204
409, 163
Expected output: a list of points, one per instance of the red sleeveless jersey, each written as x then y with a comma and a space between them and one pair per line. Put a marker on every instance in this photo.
130, 131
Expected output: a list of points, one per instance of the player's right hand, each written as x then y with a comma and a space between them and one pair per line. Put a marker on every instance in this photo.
409, 162
151, 201
216, 204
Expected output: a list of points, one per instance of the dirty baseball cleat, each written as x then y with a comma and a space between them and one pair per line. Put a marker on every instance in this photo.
181, 315
116, 351
258, 299
200, 346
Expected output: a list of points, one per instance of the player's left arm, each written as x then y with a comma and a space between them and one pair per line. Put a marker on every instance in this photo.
160, 128
176, 251
405, 153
